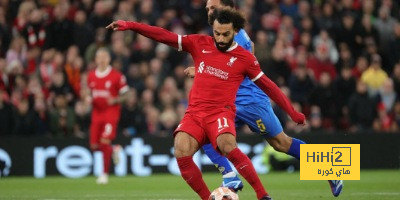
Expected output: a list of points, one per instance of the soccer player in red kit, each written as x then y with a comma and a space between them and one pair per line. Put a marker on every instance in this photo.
108, 89
221, 65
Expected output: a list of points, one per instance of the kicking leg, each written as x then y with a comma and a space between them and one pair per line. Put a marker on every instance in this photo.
291, 146
227, 145
286, 144
230, 178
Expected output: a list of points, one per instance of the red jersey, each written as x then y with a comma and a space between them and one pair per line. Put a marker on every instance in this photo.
105, 85
218, 74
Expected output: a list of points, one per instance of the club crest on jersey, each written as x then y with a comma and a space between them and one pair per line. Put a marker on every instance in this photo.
231, 61
108, 84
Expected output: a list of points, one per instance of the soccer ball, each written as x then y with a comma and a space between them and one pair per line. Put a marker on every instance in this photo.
223, 193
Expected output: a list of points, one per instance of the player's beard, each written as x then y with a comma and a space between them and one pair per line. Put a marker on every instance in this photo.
225, 46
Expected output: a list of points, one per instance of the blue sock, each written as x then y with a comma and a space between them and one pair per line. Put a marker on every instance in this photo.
294, 149
219, 161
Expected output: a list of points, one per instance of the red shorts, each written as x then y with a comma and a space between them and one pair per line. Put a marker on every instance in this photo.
102, 129
205, 128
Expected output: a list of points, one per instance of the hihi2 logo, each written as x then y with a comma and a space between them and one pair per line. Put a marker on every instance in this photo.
330, 162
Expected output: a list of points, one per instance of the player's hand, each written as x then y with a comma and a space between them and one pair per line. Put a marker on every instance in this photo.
299, 118
189, 72
112, 101
88, 99
119, 25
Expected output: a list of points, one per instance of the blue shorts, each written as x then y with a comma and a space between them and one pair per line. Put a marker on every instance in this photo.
260, 118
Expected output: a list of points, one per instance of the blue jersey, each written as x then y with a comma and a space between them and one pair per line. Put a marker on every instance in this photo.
248, 92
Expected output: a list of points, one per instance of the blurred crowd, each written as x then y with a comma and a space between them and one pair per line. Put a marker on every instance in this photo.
337, 60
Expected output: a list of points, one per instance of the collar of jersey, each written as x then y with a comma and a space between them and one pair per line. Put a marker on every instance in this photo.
104, 73
230, 48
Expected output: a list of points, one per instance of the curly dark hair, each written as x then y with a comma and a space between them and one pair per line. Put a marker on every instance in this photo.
229, 3
227, 16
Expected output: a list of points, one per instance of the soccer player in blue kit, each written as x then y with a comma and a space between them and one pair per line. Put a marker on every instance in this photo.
254, 109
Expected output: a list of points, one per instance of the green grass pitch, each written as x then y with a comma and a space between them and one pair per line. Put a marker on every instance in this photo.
374, 184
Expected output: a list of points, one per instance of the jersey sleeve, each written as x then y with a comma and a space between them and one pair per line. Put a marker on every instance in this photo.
254, 71
122, 85
181, 42
243, 40
273, 91
186, 42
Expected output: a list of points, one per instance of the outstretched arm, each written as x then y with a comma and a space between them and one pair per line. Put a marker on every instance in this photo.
153, 32
275, 93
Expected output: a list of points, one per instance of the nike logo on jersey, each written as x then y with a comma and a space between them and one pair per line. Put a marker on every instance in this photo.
179, 126
220, 129
204, 51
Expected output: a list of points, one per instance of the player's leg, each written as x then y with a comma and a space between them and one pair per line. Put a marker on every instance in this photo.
188, 138
185, 147
108, 134
117, 148
94, 135
230, 178
227, 145
96, 129
219, 161
291, 146
222, 134
285, 144
263, 121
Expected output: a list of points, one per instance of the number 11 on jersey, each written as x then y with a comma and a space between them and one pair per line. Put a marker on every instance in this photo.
225, 121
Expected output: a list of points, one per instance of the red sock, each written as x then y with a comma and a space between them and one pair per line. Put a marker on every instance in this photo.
192, 175
106, 149
245, 168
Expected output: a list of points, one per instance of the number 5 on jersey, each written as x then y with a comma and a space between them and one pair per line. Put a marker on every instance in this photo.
260, 125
